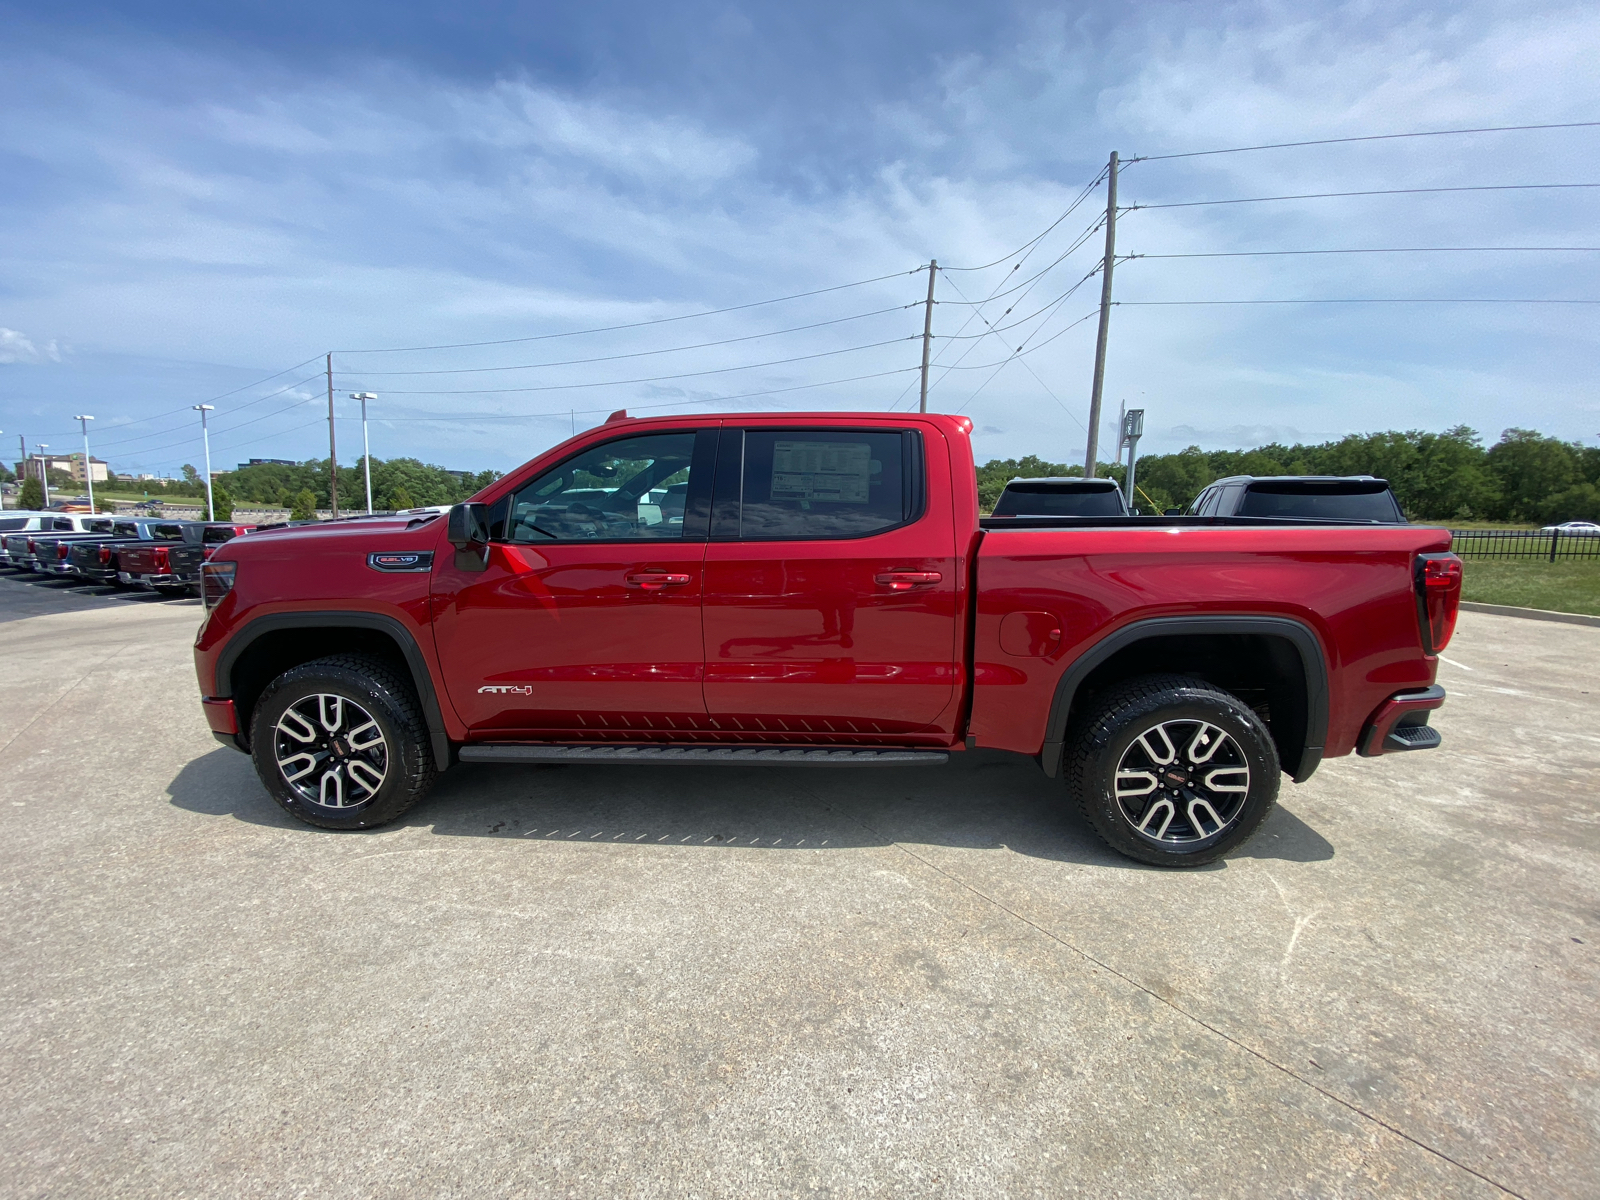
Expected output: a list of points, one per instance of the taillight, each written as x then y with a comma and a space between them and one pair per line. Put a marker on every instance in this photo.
105, 555
1438, 583
61, 551
161, 558
216, 581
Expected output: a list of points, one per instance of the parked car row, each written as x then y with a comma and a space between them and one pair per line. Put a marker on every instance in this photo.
140, 552
1295, 498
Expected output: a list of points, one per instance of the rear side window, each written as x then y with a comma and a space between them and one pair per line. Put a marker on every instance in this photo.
1322, 505
61, 524
11, 524
214, 535
1016, 502
125, 529
167, 533
808, 484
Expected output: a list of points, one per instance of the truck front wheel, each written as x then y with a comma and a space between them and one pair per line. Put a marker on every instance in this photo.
341, 743
1172, 770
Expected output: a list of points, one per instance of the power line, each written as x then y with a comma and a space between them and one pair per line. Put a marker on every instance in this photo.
635, 324
638, 353
173, 429
1382, 250
799, 387
1493, 187
1373, 137
1034, 241
1377, 300
558, 387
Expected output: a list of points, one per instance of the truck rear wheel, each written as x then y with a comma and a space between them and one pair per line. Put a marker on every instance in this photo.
1172, 771
341, 743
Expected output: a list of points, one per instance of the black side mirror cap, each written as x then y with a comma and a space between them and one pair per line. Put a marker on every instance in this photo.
1172, 512
469, 526
468, 532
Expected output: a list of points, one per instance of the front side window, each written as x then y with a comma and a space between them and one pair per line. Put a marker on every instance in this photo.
127, 529
815, 483
630, 489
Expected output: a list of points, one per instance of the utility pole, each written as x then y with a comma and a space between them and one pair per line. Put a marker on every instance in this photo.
205, 435
1105, 319
366, 447
88, 471
44, 471
927, 333
333, 451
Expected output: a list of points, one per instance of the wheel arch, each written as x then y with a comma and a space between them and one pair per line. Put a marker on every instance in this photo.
267, 646
1284, 655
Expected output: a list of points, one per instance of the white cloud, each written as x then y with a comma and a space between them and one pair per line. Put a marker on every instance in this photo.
18, 347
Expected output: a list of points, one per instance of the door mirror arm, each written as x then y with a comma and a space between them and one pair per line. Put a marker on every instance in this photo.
468, 532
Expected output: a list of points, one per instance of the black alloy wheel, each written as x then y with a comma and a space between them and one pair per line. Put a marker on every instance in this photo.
341, 743
1171, 770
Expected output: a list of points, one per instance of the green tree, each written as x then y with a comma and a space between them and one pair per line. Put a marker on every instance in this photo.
1531, 469
304, 507
32, 496
221, 500
400, 499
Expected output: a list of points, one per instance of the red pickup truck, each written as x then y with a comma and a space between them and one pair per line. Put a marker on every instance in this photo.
819, 590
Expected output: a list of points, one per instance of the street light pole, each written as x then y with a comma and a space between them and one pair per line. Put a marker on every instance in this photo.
88, 471
44, 472
205, 436
366, 448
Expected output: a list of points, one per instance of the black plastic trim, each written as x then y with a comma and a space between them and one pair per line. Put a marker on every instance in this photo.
248, 633
702, 755
1299, 635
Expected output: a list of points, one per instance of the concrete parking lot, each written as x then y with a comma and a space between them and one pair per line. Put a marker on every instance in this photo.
700, 982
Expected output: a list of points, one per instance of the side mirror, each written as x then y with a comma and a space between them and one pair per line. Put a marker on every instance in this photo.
1172, 512
468, 532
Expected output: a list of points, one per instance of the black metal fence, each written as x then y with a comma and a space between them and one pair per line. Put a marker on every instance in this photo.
1524, 543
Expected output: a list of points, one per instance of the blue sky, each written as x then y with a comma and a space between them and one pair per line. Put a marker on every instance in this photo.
198, 196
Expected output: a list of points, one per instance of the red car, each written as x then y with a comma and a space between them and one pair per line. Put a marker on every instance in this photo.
818, 590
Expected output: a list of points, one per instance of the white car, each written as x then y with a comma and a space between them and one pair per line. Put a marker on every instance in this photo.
1578, 527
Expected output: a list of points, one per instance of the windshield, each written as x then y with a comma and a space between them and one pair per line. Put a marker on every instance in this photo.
1103, 502
1323, 504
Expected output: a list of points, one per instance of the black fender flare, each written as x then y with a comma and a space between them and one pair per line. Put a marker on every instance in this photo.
421, 678
1304, 639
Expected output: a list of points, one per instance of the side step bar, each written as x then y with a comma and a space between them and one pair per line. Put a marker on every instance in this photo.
699, 756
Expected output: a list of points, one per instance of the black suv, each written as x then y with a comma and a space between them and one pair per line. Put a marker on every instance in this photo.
1300, 498
1064, 497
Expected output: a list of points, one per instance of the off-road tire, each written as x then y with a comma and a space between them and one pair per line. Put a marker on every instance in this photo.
382, 694
1107, 736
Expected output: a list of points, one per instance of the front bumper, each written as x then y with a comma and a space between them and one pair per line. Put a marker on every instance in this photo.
1401, 723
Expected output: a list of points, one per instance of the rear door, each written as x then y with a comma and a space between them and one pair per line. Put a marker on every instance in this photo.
830, 587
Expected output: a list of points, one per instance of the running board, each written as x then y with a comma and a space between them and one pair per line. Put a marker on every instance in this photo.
699, 756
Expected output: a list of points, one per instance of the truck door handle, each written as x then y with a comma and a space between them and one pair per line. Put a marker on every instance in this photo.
902, 581
652, 581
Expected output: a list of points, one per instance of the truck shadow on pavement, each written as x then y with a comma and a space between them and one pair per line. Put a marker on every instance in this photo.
982, 800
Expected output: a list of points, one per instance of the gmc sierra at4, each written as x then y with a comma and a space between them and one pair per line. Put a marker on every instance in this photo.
819, 590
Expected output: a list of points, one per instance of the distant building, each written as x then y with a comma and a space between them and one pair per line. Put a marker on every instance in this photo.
98, 471
268, 462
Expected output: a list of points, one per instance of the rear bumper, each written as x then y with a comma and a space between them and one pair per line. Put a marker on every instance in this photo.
1401, 723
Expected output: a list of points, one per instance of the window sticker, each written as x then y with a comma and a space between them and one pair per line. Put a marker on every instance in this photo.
835, 472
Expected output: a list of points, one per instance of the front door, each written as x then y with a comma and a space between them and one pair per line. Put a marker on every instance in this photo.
586, 621
830, 588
